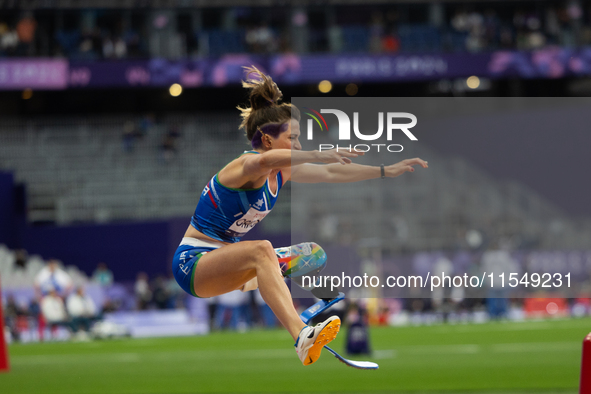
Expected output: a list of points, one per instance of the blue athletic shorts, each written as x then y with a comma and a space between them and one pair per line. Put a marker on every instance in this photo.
184, 263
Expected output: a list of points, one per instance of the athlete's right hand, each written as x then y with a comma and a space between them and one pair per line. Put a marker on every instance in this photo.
338, 155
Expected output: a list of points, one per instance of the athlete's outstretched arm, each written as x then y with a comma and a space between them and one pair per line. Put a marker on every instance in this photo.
283, 158
312, 173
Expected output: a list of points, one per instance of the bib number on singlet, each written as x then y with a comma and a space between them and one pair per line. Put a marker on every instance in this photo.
247, 222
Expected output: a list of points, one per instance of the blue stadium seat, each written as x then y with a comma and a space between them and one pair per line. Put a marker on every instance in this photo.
355, 39
421, 38
225, 41
68, 40
455, 41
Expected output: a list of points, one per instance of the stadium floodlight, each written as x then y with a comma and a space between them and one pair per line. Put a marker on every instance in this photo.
175, 90
473, 82
325, 86
351, 89
27, 94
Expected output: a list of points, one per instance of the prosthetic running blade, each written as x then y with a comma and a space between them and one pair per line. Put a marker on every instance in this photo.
353, 363
320, 307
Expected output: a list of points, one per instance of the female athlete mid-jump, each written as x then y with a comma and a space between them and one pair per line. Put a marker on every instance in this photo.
211, 260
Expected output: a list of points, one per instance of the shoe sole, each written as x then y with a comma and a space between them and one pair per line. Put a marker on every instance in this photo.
327, 335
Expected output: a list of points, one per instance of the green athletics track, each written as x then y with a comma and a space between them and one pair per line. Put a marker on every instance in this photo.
496, 357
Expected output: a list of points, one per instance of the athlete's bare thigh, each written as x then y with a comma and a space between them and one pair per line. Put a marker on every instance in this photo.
229, 267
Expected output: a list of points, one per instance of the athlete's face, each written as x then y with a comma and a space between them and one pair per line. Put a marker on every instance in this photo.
289, 139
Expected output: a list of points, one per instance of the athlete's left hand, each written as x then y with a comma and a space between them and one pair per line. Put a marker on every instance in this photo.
403, 166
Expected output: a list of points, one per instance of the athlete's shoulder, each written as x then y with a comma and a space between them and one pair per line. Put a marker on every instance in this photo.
241, 171
245, 156
249, 152
239, 160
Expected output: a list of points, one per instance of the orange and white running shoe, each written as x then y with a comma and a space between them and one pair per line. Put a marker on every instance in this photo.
311, 340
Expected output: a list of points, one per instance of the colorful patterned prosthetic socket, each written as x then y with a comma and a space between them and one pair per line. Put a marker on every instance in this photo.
306, 258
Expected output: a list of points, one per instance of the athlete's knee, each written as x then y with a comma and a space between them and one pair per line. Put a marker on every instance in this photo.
265, 248
262, 251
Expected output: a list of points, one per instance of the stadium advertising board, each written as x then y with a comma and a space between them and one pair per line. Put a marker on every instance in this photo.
293, 69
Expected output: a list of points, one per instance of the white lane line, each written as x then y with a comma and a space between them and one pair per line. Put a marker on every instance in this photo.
76, 358
441, 349
533, 347
246, 354
384, 354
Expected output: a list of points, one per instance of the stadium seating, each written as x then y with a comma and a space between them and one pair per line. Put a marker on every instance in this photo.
419, 38
69, 40
168, 323
355, 38
223, 41
13, 277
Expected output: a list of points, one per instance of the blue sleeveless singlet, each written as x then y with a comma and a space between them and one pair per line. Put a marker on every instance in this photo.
227, 214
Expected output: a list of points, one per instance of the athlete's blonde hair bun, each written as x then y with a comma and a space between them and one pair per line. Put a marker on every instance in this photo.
265, 106
264, 92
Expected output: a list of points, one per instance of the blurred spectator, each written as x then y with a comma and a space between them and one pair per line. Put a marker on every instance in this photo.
25, 29
160, 293
90, 44
133, 42
146, 124
168, 148
471, 24
34, 312
119, 48
473, 29
376, 31
174, 131
12, 314
515, 26
175, 293
21, 257
496, 262
102, 275
390, 43
491, 28
52, 277
34, 307
8, 40
357, 332
231, 311
442, 266
114, 47
212, 303
110, 306
261, 39
505, 37
142, 291
82, 310
129, 136
536, 40
54, 311
108, 48
460, 21
169, 144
